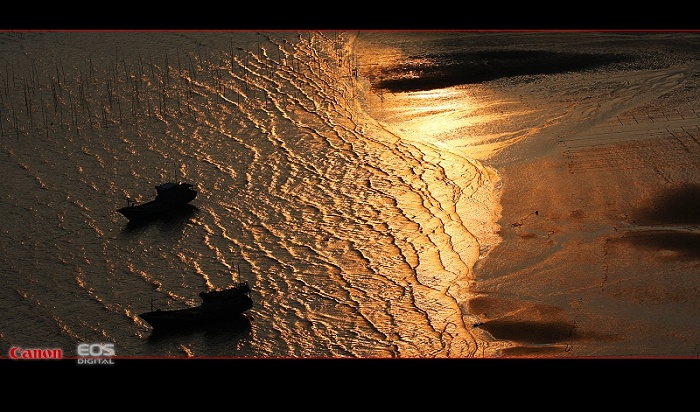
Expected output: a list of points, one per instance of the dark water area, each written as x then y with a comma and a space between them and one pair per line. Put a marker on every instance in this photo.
434, 71
352, 240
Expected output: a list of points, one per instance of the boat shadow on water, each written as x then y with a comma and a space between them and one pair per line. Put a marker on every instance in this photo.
171, 220
228, 329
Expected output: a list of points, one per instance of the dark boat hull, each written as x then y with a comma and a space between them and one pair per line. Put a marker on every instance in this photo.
216, 306
149, 210
170, 197
181, 318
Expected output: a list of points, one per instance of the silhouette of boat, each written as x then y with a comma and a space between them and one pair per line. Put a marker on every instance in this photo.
170, 196
216, 305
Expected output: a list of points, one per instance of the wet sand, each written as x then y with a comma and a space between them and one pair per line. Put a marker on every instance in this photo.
600, 249
600, 241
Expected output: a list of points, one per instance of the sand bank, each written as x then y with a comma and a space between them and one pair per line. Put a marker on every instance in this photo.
600, 224
600, 171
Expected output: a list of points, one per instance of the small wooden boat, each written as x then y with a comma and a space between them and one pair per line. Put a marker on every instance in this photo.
216, 305
169, 196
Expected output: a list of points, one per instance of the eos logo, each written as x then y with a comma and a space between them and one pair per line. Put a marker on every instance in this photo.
96, 353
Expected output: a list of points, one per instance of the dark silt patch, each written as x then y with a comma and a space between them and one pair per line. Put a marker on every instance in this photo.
530, 331
677, 205
686, 244
441, 70
523, 322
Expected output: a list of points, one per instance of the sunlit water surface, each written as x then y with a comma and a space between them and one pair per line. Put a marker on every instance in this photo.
357, 236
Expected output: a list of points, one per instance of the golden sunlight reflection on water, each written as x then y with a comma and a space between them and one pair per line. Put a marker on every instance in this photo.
471, 119
444, 124
427, 115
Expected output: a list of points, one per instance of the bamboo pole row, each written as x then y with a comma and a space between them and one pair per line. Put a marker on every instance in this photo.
90, 96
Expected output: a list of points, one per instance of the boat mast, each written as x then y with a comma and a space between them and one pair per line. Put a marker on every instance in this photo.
175, 177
